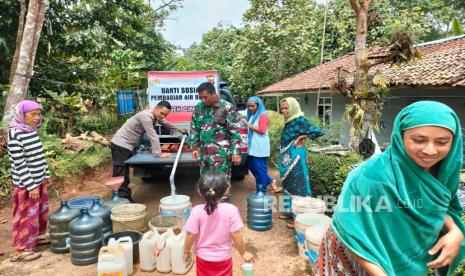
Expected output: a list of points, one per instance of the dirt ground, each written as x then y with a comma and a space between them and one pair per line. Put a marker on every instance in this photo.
275, 250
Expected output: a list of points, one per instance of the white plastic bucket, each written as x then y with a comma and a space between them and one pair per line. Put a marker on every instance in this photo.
304, 221
177, 205
313, 237
302, 205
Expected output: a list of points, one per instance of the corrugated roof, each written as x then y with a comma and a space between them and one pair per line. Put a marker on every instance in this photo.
442, 64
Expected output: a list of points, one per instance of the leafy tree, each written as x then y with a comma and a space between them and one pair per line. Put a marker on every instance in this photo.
212, 53
90, 47
280, 38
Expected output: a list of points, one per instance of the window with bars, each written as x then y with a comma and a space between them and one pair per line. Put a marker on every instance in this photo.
325, 108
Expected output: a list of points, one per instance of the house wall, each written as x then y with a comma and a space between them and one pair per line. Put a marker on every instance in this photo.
399, 98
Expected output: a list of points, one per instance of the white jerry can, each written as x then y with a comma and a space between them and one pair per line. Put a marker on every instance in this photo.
176, 244
147, 257
126, 243
111, 261
162, 252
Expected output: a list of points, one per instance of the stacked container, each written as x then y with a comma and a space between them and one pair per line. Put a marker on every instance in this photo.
85, 238
58, 227
99, 210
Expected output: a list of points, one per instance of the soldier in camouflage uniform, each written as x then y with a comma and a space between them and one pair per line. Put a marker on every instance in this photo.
214, 136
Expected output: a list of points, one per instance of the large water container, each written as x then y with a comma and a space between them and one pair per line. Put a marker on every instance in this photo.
177, 205
99, 210
313, 237
259, 212
116, 200
83, 202
131, 216
306, 204
86, 237
58, 227
302, 223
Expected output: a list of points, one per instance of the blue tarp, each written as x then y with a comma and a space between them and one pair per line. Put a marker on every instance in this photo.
125, 100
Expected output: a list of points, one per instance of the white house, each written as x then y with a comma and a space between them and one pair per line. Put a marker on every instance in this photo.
438, 75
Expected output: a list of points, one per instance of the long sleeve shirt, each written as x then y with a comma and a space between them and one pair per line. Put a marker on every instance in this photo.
129, 134
217, 125
29, 167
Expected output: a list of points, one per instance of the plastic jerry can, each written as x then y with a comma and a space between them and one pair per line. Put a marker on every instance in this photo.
111, 261
126, 243
162, 252
176, 244
147, 257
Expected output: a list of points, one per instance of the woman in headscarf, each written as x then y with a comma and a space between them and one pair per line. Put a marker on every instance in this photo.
259, 143
399, 213
292, 162
30, 177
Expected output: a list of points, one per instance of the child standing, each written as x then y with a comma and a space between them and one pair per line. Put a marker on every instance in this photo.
30, 176
213, 227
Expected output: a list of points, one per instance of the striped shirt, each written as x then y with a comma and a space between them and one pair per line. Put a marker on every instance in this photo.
29, 167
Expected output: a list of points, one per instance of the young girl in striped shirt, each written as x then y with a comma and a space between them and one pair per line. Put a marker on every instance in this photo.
30, 177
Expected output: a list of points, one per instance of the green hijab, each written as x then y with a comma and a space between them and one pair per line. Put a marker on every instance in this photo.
294, 109
391, 211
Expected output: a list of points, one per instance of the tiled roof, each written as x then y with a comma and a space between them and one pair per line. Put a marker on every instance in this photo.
442, 65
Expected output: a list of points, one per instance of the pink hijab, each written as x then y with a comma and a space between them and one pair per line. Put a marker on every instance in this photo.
18, 121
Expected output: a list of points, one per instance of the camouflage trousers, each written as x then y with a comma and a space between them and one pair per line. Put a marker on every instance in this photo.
216, 159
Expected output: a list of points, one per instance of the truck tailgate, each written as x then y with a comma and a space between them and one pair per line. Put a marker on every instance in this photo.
148, 158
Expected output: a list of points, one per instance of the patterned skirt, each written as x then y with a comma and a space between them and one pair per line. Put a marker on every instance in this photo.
336, 259
29, 217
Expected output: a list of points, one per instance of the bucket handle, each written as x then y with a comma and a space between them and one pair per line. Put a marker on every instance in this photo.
158, 251
312, 260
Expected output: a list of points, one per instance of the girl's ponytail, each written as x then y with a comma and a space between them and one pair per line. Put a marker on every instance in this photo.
212, 186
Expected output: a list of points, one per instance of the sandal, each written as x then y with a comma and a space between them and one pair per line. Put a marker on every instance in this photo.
283, 217
274, 188
25, 256
43, 239
42, 242
290, 225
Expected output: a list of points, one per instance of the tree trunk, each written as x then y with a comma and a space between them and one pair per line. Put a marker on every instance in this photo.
361, 74
39, 23
30, 38
19, 37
